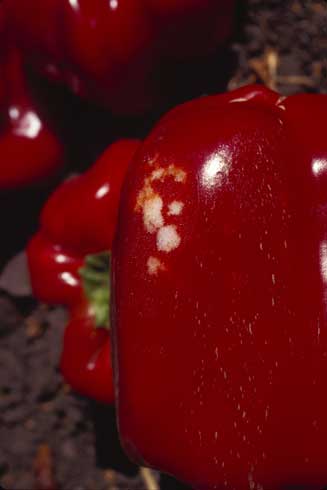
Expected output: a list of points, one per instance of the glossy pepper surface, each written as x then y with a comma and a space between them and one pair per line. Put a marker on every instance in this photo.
69, 264
29, 149
219, 270
117, 50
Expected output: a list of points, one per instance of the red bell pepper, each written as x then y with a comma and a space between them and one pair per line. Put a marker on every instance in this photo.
115, 51
87, 366
86, 355
220, 282
69, 264
29, 149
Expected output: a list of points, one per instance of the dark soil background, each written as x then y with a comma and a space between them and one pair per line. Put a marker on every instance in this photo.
50, 438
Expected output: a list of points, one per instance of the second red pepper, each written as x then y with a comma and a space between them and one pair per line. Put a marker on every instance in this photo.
69, 264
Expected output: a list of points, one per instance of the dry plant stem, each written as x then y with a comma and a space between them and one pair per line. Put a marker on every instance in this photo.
149, 479
272, 67
296, 80
235, 83
266, 67
43, 469
111, 478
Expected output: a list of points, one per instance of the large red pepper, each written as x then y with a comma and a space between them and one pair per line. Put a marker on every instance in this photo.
220, 284
117, 51
69, 264
29, 149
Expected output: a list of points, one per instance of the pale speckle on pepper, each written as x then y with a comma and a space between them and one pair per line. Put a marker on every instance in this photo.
168, 238
175, 208
152, 213
154, 265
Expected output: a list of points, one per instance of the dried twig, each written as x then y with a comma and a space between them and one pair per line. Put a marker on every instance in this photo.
43, 469
149, 479
33, 327
296, 80
237, 81
111, 478
266, 67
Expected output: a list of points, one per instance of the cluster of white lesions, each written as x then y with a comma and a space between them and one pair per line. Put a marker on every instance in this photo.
156, 213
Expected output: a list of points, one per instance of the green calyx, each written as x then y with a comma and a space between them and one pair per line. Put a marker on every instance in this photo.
95, 275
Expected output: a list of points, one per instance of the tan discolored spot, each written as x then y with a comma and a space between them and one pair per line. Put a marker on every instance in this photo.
152, 214
157, 174
153, 160
161, 174
154, 266
175, 208
144, 194
178, 174
150, 203
168, 238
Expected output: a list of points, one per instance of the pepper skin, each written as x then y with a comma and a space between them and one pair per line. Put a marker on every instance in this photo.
29, 150
219, 280
67, 266
116, 51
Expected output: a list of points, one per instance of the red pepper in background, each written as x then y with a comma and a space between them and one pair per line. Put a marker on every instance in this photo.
219, 280
116, 51
29, 149
69, 264
87, 366
86, 355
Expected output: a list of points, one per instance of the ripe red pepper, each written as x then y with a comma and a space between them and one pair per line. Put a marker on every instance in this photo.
220, 283
115, 51
29, 149
86, 356
69, 264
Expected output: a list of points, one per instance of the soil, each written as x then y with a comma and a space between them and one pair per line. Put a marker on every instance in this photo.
50, 438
